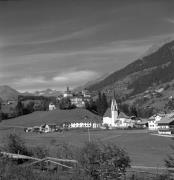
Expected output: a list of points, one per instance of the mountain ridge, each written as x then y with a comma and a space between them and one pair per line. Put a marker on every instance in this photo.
160, 65
8, 93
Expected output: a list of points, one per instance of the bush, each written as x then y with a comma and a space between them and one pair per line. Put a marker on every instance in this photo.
15, 144
103, 161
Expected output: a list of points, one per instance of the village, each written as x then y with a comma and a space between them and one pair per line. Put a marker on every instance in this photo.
160, 123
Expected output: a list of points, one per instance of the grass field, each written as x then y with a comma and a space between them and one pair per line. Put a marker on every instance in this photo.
143, 148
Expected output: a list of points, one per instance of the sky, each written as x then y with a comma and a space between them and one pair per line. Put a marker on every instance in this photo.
58, 43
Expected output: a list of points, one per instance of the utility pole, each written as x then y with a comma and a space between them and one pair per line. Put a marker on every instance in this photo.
89, 137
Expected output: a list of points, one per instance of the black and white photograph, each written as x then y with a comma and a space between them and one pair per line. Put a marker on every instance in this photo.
86, 89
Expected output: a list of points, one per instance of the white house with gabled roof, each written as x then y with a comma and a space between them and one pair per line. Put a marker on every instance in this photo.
153, 121
166, 124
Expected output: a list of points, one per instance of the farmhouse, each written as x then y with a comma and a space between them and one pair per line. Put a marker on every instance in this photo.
84, 122
48, 128
166, 125
83, 119
114, 118
51, 107
153, 121
141, 123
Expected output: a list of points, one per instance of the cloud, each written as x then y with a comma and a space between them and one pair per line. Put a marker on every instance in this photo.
30, 81
75, 77
59, 82
74, 67
170, 20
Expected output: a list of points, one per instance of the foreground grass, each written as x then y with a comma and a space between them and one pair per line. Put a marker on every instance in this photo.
143, 148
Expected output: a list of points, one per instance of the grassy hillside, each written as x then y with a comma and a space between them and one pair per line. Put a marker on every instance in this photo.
50, 117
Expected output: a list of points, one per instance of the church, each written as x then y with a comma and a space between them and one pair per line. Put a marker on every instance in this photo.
116, 119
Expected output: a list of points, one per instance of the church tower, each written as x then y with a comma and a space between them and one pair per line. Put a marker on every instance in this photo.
114, 111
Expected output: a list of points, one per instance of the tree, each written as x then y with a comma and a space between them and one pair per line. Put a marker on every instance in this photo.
19, 108
15, 144
28, 107
125, 108
104, 161
91, 106
65, 103
133, 111
101, 104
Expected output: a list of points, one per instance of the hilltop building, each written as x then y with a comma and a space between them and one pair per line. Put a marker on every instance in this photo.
67, 93
116, 119
78, 101
86, 93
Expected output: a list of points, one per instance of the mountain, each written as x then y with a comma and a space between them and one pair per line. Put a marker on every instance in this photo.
47, 93
90, 83
152, 70
8, 93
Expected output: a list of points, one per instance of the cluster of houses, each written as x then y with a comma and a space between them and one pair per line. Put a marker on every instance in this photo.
161, 122
44, 128
77, 99
113, 118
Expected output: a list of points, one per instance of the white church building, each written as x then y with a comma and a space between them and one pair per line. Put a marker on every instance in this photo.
115, 119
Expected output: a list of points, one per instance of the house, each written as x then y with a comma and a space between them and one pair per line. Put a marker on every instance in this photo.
86, 93
67, 93
153, 121
52, 107
78, 101
115, 119
84, 123
46, 128
166, 125
84, 119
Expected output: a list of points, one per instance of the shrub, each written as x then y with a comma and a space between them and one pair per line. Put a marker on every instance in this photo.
15, 144
103, 161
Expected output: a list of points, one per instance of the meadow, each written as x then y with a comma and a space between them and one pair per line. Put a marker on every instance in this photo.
143, 148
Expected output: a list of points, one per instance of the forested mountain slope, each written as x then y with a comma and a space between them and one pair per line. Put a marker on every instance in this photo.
154, 69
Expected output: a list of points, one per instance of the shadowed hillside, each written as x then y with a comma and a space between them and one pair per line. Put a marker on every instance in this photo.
156, 68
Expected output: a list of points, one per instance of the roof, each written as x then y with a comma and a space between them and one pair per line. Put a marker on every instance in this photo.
153, 118
166, 120
121, 114
108, 113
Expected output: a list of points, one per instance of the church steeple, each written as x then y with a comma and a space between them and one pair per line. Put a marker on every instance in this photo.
114, 106
114, 111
